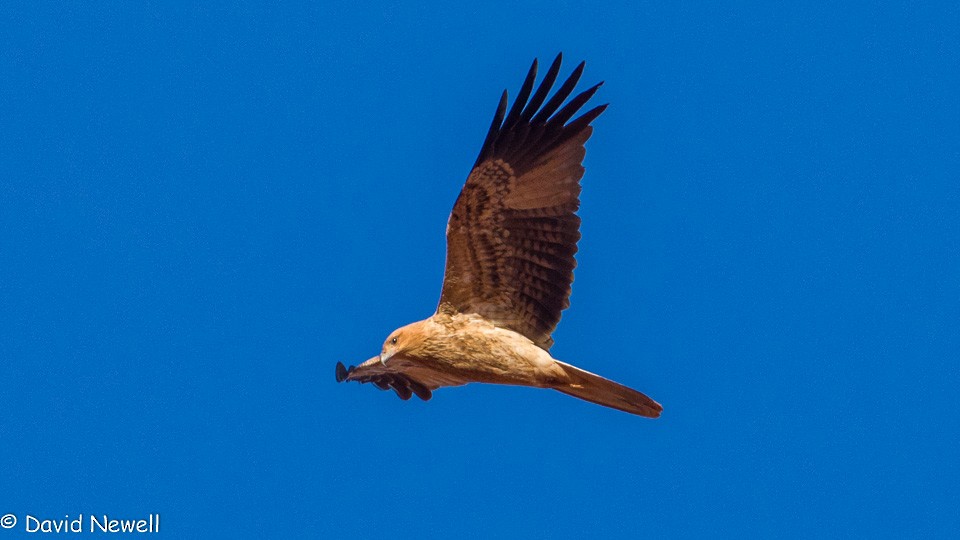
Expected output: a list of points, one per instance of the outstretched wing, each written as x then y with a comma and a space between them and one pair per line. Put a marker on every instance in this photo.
513, 232
402, 377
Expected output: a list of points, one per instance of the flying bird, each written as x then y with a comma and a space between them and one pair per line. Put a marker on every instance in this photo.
511, 240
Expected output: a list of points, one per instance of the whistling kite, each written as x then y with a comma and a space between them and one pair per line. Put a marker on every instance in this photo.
511, 239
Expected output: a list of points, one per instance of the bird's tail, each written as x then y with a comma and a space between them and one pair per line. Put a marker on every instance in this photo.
594, 388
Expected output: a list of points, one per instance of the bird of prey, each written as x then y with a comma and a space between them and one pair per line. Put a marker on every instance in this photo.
511, 240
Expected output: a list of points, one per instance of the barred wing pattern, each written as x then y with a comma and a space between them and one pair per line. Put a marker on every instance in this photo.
513, 232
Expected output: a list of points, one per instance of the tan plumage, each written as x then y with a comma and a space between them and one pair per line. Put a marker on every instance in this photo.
511, 241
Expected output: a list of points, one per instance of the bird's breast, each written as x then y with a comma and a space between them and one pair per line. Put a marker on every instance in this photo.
478, 351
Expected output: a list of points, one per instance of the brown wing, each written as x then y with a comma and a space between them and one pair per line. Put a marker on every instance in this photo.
405, 379
513, 232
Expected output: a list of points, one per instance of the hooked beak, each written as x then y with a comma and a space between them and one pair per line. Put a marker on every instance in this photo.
384, 357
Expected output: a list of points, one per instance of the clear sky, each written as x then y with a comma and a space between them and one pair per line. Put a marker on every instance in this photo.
203, 209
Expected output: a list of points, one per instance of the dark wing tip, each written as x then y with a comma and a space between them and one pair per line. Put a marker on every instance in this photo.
487, 149
402, 391
404, 386
420, 390
535, 124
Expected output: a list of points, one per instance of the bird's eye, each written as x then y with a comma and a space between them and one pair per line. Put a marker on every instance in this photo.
393, 341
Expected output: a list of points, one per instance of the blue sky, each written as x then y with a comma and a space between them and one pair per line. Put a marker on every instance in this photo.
203, 209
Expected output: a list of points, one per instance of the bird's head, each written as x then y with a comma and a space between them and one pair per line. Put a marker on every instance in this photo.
404, 342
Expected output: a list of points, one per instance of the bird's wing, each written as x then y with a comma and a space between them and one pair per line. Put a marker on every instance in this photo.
406, 380
513, 232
